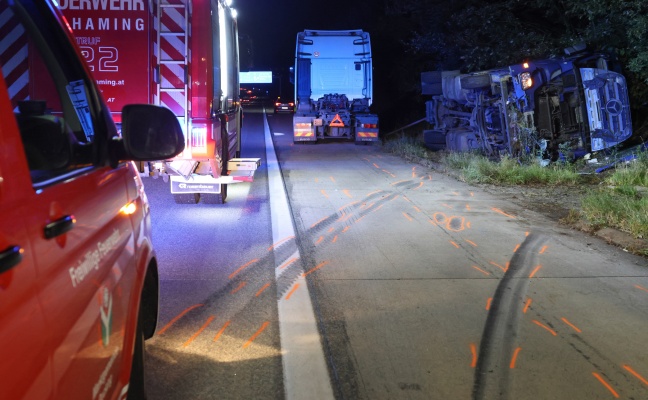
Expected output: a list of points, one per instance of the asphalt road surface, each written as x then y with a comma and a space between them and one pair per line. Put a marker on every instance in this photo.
345, 272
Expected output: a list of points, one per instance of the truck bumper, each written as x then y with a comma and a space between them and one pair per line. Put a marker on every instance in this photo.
303, 129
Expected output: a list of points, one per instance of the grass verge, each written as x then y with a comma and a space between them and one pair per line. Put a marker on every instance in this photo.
620, 201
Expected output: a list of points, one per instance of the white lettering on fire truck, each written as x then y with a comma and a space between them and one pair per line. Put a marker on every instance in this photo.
92, 259
105, 381
107, 24
115, 5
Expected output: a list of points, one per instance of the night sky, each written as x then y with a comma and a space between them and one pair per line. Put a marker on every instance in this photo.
268, 28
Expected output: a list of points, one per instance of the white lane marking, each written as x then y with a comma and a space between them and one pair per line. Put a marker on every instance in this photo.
304, 368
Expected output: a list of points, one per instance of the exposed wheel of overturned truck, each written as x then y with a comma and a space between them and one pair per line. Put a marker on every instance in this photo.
479, 81
219, 198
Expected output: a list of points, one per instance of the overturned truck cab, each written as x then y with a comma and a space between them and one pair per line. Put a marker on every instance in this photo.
562, 107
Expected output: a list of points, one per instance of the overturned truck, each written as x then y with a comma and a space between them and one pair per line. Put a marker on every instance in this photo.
559, 107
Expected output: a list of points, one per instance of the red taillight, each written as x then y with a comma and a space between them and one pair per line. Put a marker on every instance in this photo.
277, 104
374, 126
291, 104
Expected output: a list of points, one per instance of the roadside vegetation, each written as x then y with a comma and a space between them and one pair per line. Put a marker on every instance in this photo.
617, 198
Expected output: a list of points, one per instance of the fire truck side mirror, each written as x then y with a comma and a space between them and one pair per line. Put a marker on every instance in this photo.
150, 133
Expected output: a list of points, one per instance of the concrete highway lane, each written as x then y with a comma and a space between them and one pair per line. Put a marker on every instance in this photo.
428, 288
399, 281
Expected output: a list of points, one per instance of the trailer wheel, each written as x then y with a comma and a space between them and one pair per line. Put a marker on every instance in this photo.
186, 198
475, 81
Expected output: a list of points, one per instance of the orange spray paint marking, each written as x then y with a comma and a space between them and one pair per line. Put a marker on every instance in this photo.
312, 226
498, 266
250, 340
310, 271
607, 385
377, 208
543, 249
316, 180
636, 375
467, 207
419, 186
347, 193
472, 194
488, 303
497, 210
177, 317
264, 287
346, 228
468, 224
417, 209
526, 233
571, 325
406, 199
446, 205
472, 243
287, 263
454, 244
334, 239
332, 179
331, 229
396, 183
198, 332
413, 172
374, 192
274, 246
514, 358
292, 291
517, 247
432, 222
376, 165
233, 274
481, 270
527, 304
324, 193
641, 288
455, 193
540, 324
220, 332
239, 287
407, 216
389, 173
319, 240
536, 269
473, 351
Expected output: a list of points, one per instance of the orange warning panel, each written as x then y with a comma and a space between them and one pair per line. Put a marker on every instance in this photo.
337, 121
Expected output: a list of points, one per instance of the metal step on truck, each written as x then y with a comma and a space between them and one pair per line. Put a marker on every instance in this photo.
333, 78
183, 55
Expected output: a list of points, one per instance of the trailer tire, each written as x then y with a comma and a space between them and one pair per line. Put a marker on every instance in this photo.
186, 198
480, 81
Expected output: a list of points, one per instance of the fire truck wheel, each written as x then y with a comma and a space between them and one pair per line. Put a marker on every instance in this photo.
210, 198
186, 198
136, 387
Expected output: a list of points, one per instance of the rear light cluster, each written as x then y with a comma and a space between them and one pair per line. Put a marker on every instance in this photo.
199, 139
370, 126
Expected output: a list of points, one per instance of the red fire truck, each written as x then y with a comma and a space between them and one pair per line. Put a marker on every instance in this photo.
183, 55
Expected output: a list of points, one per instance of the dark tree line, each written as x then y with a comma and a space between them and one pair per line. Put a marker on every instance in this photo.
411, 36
